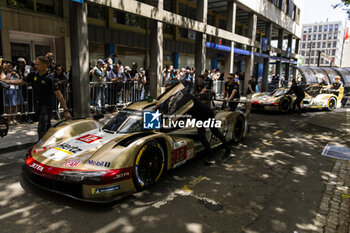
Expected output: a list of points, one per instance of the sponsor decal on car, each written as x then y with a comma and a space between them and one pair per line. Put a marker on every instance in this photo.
121, 175
41, 149
72, 163
99, 163
37, 167
89, 138
70, 148
105, 190
189, 153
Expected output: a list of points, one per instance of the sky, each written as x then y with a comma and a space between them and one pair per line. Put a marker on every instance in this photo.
320, 10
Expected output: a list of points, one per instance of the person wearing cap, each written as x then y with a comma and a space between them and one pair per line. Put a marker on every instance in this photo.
337, 84
99, 81
44, 87
323, 83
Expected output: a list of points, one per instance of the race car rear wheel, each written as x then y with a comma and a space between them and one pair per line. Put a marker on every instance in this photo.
285, 104
149, 165
238, 129
332, 104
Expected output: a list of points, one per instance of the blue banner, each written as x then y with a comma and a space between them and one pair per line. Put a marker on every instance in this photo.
264, 44
80, 1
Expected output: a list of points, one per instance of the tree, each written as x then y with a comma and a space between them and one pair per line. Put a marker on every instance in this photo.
345, 5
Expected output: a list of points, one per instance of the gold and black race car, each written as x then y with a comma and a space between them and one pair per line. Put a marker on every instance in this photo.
86, 160
275, 101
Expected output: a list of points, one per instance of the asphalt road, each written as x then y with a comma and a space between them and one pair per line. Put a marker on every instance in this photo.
273, 182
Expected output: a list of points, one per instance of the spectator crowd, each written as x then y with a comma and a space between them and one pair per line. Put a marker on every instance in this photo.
111, 83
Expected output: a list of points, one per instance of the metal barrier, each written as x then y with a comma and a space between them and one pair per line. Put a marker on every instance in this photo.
115, 94
17, 101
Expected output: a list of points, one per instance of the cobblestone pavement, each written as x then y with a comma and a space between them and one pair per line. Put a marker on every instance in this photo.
333, 214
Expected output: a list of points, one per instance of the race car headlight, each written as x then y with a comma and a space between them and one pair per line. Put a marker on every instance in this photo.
80, 177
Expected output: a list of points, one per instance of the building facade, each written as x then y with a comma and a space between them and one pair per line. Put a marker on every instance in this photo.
232, 35
325, 37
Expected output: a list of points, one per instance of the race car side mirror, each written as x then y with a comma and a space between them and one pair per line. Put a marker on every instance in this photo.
97, 117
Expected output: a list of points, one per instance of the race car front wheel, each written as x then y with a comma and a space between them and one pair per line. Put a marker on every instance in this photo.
238, 129
332, 104
285, 104
149, 165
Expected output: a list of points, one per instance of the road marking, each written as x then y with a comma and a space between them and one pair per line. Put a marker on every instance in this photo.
184, 191
277, 132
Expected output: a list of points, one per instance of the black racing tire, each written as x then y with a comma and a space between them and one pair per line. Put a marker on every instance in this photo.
149, 165
238, 129
332, 104
285, 104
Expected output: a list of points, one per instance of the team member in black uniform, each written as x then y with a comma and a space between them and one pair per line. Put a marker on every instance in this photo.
337, 84
231, 92
199, 111
44, 86
323, 83
299, 92
251, 86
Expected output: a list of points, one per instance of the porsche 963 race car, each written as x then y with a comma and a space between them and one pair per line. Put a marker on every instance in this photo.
323, 98
86, 160
275, 101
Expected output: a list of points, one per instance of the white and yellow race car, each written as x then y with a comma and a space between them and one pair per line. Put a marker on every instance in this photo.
323, 98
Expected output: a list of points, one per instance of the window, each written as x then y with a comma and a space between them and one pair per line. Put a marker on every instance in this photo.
169, 5
314, 36
324, 36
319, 28
54, 7
319, 36
330, 35
211, 20
323, 44
313, 44
305, 30
315, 28
222, 24
168, 29
325, 28
336, 27
334, 44
303, 45
331, 28
97, 11
308, 45
311, 61
322, 61
307, 60
129, 19
318, 44
309, 37
302, 53
183, 9
310, 29
335, 36
329, 44
304, 37
333, 52
312, 53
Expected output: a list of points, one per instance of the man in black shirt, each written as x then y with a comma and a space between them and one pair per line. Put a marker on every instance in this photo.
199, 111
299, 92
231, 92
337, 84
44, 86
251, 85
323, 83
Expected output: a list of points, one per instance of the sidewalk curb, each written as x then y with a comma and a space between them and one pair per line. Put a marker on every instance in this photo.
16, 147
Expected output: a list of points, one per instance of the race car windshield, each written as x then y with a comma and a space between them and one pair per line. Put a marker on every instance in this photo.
278, 93
124, 122
313, 91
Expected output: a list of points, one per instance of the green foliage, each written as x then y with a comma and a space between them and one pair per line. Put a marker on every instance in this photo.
345, 5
